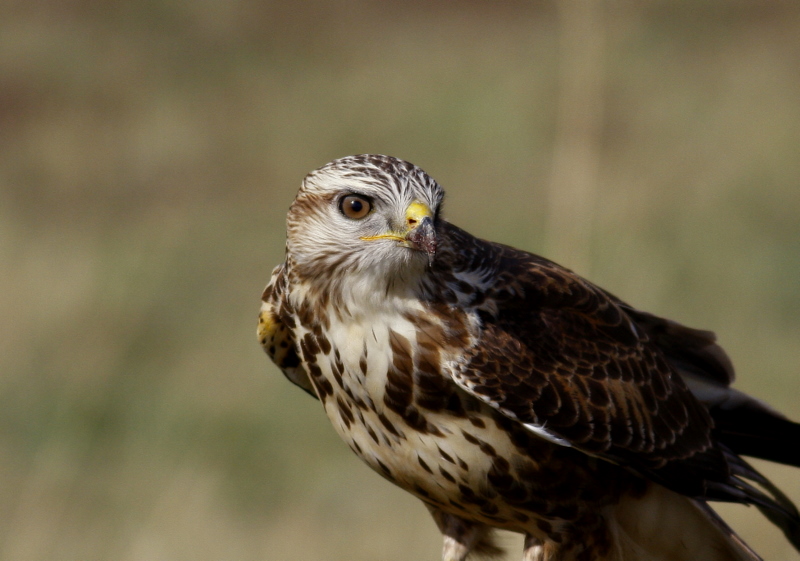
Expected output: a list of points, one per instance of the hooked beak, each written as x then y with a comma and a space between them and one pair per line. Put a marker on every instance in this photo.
422, 235
419, 232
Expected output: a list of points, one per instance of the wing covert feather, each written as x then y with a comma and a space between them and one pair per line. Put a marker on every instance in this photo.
563, 357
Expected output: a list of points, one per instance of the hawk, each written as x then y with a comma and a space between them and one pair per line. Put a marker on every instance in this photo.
504, 390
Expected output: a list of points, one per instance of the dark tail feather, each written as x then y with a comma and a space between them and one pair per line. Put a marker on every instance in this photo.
758, 433
789, 525
773, 504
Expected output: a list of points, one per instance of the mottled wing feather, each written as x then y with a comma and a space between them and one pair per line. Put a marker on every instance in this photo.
275, 331
693, 351
561, 356
746, 425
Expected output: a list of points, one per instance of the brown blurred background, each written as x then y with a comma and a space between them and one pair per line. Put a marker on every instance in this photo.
149, 151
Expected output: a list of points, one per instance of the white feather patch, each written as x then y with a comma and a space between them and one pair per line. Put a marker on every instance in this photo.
539, 430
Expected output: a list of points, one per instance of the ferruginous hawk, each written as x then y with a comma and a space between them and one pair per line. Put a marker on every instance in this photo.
505, 391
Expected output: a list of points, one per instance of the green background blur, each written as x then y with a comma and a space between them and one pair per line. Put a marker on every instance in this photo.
149, 151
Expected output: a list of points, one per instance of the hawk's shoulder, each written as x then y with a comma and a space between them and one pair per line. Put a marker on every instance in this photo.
276, 329
568, 360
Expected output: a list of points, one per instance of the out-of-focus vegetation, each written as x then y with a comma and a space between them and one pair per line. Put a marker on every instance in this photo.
149, 151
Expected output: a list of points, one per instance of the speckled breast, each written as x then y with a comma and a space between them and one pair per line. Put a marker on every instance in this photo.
384, 386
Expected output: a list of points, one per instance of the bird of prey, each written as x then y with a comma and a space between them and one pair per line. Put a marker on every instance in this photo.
506, 391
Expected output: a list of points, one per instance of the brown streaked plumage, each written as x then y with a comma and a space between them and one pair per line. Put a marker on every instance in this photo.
507, 392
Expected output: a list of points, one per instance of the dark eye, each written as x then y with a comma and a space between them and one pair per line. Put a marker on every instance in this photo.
355, 206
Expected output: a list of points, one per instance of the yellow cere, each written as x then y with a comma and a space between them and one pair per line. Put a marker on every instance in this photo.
415, 212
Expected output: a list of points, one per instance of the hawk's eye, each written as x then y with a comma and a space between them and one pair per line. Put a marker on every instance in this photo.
355, 206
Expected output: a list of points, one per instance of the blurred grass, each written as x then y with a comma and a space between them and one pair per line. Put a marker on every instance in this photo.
148, 153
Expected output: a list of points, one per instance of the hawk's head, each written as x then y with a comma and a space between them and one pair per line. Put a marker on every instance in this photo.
364, 219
